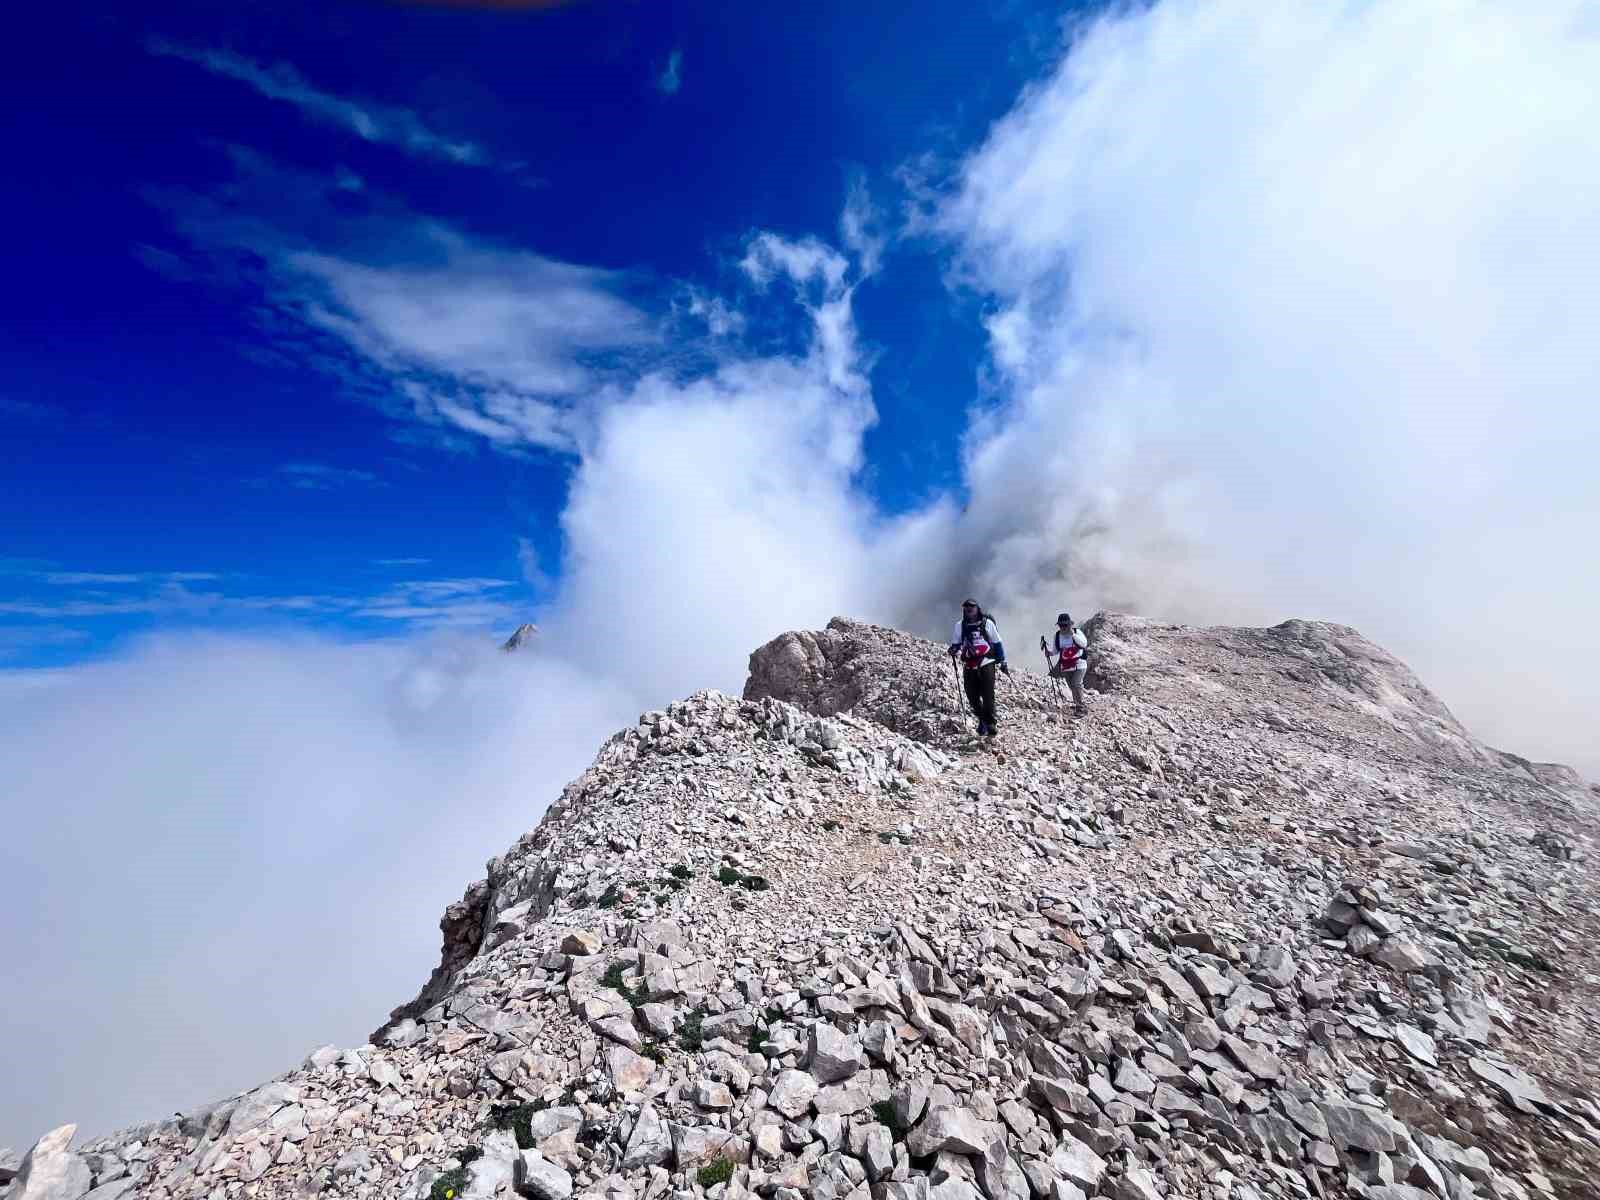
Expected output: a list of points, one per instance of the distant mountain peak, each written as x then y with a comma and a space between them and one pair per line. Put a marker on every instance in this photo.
525, 634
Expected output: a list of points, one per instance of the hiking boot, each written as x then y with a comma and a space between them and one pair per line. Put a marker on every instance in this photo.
983, 729
1080, 711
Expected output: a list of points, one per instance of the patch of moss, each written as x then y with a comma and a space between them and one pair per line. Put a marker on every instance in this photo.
727, 877
609, 899
680, 871
714, 1173
755, 883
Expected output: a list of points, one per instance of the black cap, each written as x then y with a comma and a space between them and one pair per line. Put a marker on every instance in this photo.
969, 602
1063, 618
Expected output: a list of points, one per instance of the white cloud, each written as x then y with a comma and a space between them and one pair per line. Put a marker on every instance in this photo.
671, 77
199, 822
768, 256
528, 560
16, 639
720, 318
426, 604
1298, 287
861, 227
498, 342
369, 121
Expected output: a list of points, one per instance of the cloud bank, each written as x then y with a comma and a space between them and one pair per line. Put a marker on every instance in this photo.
231, 849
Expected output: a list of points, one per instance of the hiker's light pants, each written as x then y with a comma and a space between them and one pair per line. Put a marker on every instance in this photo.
1074, 680
979, 685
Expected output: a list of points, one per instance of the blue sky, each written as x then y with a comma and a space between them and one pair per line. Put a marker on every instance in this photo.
186, 449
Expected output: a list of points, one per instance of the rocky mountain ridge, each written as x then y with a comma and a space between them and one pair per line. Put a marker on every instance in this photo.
1268, 922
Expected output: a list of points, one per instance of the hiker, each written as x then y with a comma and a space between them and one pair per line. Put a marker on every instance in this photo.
977, 644
1067, 658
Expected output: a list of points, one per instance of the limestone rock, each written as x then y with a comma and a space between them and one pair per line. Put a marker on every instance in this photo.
51, 1171
536, 1177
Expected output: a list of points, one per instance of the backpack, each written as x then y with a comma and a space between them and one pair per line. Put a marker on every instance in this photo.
1070, 655
974, 642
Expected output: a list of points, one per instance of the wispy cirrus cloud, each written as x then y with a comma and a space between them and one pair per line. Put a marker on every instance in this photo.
368, 120
671, 77
471, 341
75, 578
312, 476
18, 639
423, 604
430, 604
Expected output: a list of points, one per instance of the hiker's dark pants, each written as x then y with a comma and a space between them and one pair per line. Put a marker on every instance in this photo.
980, 691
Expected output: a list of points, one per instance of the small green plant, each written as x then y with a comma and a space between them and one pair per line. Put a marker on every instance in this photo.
692, 1036
832, 826
773, 1016
517, 1118
654, 1051
470, 1155
680, 871
758, 1038
450, 1185
615, 979
884, 1111
731, 877
714, 1173
663, 898
609, 898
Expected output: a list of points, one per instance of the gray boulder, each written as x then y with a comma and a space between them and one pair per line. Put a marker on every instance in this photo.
51, 1171
535, 1176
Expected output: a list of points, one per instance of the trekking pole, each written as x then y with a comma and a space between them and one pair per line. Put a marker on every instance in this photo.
1055, 684
960, 707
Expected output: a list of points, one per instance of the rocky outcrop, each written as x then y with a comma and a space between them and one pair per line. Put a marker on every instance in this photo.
1247, 930
902, 682
525, 635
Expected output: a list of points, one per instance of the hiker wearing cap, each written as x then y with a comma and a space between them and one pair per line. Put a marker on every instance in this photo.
976, 643
1065, 653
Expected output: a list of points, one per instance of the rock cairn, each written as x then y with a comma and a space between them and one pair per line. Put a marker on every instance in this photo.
1267, 923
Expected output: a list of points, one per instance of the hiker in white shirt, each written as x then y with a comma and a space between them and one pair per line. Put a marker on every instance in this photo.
1067, 659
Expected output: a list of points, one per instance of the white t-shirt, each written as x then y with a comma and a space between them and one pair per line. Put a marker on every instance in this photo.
1078, 640
990, 635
